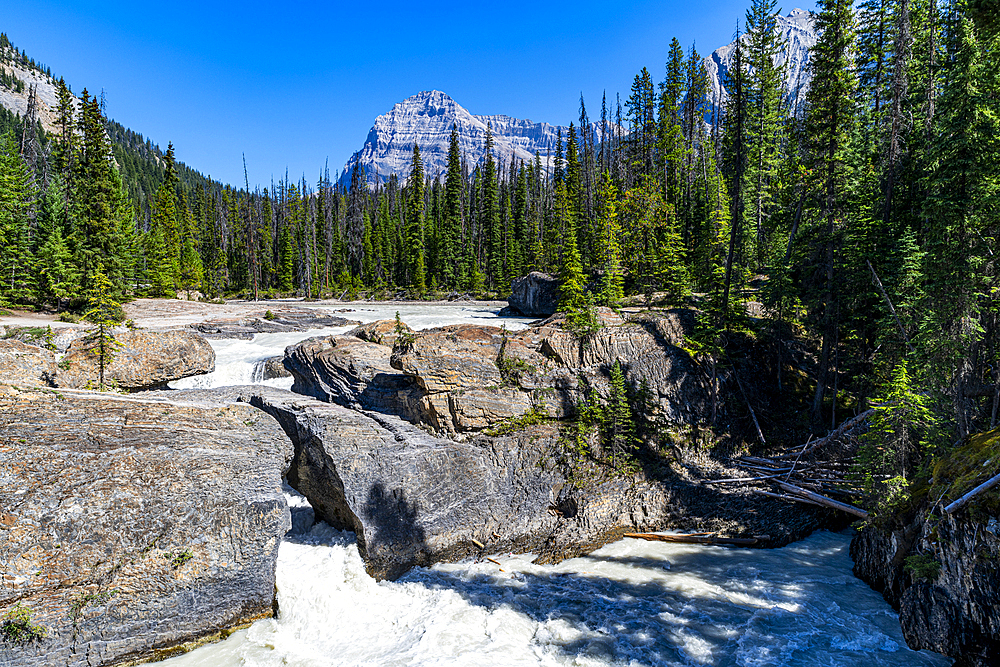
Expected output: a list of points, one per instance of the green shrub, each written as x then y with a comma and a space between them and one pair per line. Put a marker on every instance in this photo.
17, 628
269, 316
178, 559
67, 316
534, 416
922, 566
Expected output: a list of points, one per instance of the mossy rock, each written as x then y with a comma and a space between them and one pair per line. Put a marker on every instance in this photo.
966, 467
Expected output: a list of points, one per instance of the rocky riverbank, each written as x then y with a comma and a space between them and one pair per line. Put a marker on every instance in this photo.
942, 570
465, 432
455, 442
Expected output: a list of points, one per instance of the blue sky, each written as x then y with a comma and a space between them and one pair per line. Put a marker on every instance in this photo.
297, 83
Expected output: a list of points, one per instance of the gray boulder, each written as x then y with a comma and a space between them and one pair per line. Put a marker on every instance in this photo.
416, 499
145, 360
130, 527
534, 295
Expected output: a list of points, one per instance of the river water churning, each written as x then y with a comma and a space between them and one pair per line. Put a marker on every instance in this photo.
630, 603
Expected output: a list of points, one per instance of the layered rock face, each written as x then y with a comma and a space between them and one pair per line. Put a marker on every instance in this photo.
940, 570
145, 360
406, 445
415, 499
26, 365
427, 118
128, 527
956, 613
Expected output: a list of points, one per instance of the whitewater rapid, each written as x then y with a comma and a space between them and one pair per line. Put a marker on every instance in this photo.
631, 603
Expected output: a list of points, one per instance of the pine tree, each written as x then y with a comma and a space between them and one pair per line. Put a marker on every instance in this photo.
415, 267
764, 92
829, 120
671, 137
99, 195
105, 313
16, 276
619, 424
960, 227
452, 222
286, 262
58, 281
612, 284
573, 300
491, 217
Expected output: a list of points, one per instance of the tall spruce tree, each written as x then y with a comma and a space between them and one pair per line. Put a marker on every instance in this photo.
416, 276
829, 122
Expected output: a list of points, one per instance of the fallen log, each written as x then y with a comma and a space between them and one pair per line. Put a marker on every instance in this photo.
961, 502
822, 500
738, 479
782, 496
848, 425
695, 539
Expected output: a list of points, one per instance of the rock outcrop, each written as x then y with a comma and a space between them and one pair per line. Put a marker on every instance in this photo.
131, 526
416, 499
279, 321
26, 365
534, 295
418, 448
461, 379
145, 360
270, 368
942, 571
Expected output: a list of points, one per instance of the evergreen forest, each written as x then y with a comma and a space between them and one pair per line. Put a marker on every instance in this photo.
865, 220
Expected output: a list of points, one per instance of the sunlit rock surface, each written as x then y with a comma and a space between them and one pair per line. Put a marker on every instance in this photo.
26, 365
141, 360
128, 527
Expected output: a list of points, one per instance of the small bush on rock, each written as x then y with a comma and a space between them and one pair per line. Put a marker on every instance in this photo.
17, 628
923, 566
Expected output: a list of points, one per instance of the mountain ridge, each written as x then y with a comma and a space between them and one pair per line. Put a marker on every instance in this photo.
426, 118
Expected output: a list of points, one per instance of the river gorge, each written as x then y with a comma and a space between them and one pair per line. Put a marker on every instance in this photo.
628, 603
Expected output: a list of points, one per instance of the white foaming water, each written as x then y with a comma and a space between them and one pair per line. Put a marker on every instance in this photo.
631, 603
236, 361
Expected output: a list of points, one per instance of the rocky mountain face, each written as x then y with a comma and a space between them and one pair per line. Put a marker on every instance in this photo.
797, 31
427, 118
15, 98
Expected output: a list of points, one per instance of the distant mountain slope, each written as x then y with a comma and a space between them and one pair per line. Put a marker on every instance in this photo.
139, 159
19, 74
797, 30
427, 118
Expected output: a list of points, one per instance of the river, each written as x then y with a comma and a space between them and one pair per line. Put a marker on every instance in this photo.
631, 603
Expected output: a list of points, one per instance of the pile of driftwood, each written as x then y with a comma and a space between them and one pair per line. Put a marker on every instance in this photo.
807, 474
